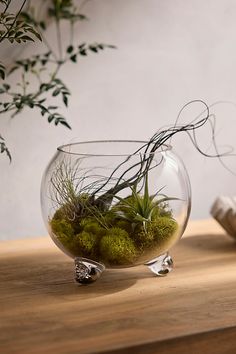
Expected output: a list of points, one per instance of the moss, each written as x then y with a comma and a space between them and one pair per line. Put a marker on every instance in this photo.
63, 231
144, 239
63, 214
80, 239
117, 248
156, 233
84, 244
162, 228
125, 225
110, 217
59, 214
62, 227
121, 243
92, 226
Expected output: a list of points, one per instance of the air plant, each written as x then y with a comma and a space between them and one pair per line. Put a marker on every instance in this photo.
138, 208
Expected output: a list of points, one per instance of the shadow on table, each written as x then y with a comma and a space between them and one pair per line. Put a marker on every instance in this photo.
52, 274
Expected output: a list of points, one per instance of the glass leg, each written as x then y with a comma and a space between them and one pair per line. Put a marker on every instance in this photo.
87, 271
161, 265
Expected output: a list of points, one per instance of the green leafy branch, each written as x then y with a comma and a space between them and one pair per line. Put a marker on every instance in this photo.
84, 48
14, 29
44, 67
36, 65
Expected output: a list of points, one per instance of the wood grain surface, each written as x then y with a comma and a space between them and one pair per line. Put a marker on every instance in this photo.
191, 310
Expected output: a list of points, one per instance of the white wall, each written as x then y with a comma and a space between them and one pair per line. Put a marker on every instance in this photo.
169, 52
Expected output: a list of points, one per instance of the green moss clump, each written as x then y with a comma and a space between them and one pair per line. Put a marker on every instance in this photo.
84, 244
92, 226
63, 231
155, 233
162, 228
125, 225
117, 248
59, 214
65, 213
109, 217
144, 239
62, 227
118, 237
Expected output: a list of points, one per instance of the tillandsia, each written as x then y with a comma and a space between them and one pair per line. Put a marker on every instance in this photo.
39, 81
114, 218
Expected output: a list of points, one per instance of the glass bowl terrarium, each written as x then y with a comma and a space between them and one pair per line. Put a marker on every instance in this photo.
115, 204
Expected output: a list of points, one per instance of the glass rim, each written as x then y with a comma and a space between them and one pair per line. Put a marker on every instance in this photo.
62, 148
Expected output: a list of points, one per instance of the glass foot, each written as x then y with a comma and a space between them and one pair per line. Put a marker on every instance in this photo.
87, 271
161, 265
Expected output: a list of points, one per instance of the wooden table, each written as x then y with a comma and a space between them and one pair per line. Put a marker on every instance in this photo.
192, 310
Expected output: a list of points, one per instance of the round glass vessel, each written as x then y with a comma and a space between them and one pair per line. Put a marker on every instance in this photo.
115, 204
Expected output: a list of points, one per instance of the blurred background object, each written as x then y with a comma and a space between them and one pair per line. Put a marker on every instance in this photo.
224, 211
